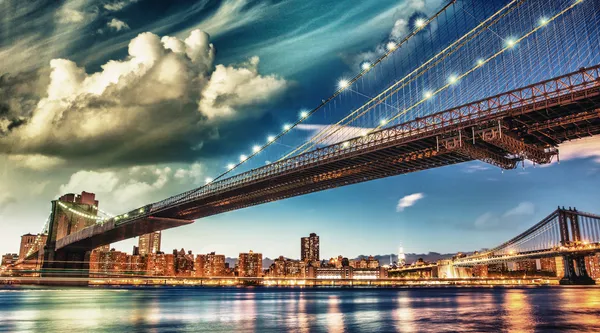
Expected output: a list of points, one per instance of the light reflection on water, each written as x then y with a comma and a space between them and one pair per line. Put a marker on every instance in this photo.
26, 309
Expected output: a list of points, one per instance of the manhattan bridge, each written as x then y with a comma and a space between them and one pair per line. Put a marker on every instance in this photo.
503, 82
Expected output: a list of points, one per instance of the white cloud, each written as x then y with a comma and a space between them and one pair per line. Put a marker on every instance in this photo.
524, 208
91, 181
239, 86
582, 148
118, 5
117, 25
475, 167
408, 201
67, 15
164, 91
338, 133
507, 220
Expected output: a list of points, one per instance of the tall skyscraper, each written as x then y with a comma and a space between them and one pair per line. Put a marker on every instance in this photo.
250, 264
149, 243
401, 256
309, 248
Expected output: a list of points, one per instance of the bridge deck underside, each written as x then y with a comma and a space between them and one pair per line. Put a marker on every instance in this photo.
99, 235
542, 125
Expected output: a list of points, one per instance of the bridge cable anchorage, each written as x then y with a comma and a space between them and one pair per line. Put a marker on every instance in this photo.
426, 66
509, 46
306, 114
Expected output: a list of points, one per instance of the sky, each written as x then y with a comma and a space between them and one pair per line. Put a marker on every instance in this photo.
138, 100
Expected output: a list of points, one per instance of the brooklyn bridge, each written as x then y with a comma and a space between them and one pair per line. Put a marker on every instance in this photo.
500, 91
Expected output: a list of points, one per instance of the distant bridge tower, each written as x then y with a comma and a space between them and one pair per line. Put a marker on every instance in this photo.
570, 234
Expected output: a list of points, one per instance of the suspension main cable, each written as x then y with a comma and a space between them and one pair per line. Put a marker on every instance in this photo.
493, 19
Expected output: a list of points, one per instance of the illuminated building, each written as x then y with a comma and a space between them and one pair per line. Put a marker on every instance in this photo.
107, 263
160, 264
136, 264
210, 265
548, 265
401, 257
526, 265
372, 263
283, 267
149, 243
592, 265
250, 264
480, 271
348, 272
309, 248
9, 259
560, 267
29, 242
184, 263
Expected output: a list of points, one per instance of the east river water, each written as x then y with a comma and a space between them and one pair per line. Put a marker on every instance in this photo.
262, 309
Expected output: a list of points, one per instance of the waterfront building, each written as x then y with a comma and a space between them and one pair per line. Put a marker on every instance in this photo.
250, 264
210, 265
592, 265
283, 267
347, 272
183, 263
107, 263
9, 259
480, 271
309, 248
160, 264
31, 241
149, 243
548, 265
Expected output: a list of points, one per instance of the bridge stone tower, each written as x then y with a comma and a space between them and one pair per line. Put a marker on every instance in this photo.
67, 218
570, 234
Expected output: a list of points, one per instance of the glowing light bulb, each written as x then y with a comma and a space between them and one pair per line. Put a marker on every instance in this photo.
208, 180
511, 42
543, 21
365, 65
346, 144
480, 62
270, 138
343, 84
230, 166
391, 46
383, 122
365, 133
255, 149
453, 79
428, 94
287, 127
243, 158
303, 114
419, 23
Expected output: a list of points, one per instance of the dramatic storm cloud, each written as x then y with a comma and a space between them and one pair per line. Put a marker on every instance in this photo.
165, 99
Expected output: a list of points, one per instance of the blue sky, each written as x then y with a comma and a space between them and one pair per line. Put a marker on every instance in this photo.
152, 134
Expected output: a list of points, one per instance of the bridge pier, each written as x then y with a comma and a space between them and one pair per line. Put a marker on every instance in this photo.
575, 271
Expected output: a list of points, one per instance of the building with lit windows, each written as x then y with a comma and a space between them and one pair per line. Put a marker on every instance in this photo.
29, 242
210, 265
149, 243
309, 248
250, 264
592, 265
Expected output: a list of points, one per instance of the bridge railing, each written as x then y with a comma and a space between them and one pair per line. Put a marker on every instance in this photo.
527, 99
